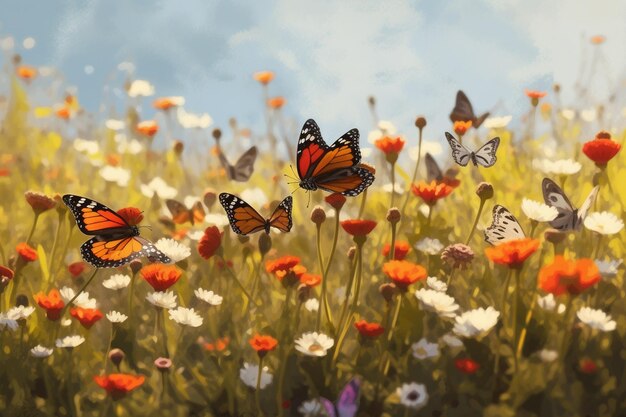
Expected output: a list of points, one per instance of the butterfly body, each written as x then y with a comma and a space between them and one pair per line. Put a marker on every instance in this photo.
568, 217
332, 168
245, 220
485, 156
115, 241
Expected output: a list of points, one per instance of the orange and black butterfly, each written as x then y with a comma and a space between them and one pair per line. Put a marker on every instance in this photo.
463, 111
332, 168
182, 214
245, 220
116, 241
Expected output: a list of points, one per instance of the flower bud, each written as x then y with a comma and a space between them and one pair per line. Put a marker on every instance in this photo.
163, 364
484, 191
243, 239
388, 290
21, 300
210, 196
116, 356
556, 87
217, 134
304, 292
371, 100
554, 236
135, 265
393, 215
265, 243
420, 122
178, 147
318, 215
351, 252
39, 201
458, 255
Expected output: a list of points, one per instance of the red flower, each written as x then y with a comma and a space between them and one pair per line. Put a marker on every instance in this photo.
431, 193
358, 227
587, 366
148, 128
466, 365
39, 201
402, 248
369, 330
461, 127
286, 266
404, 273
132, 215
310, 280
76, 268
218, 346
87, 316
263, 344
6, 273
210, 242
601, 149
52, 303
571, 276
512, 253
336, 200
160, 276
118, 385
390, 145
27, 253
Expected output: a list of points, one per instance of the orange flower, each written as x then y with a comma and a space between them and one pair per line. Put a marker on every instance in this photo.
26, 72
404, 273
286, 266
160, 276
534, 94
166, 103
432, 192
263, 344
336, 200
132, 215
264, 77
401, 249
118, 385
114, 159
390, 145
148, 128
87, 316
369, 330
571, 276
52, 303
310, 280
39, 201
276, 102
210, 242
512, 253
76, 268
461, 127
218, 346
358, 227
27, 253
63, 113
598, 39
466, 365
601, 149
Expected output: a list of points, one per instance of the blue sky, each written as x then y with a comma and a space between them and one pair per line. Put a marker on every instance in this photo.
328, 56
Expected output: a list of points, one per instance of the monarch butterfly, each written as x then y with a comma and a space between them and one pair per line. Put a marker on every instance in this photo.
485, 156
334, 168
463, 111
116, 238
182, 214
245, 220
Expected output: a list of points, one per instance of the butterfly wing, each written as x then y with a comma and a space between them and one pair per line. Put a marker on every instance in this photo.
329, 407
311, 147
504, 227
180, 213
93, 218
433, 172
554, 196
462, 110
197, 213
244, 167
117, 252
281, 217
225, 164
242, 217
460, 153
479, 120
348, 401
584, 209
349, 181
486, 155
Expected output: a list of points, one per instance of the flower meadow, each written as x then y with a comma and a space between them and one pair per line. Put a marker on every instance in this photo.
389, 303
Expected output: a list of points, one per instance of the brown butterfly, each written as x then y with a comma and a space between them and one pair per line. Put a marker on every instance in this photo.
182, 214
243, 168
463, 111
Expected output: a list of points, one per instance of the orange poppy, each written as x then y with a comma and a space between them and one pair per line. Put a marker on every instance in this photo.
264, 77
390, 145
571, 276
598, 39
358, 227
310, 280
534, 94
210, 242
404, 273
160, 276
401, 249
86, 316
26, 72
601, 149
218, 345
263, 344
460, 127
369, 330
52, 303
276, 102
118, 385
336, 200
512, 253
432, 192
63, 113
26, 252
147, 128
166, 103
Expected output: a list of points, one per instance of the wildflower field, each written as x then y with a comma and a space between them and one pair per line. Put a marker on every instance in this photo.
408, 296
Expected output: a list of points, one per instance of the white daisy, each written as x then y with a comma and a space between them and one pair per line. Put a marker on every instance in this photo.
497, 122
434, 284
249, 375
558, 167
7, 322
412, 395
312, 304
538, 211
219, 220
588, 115
547, 355
116, 282
69, 342
208, 297
88, 147
186, 317
174, 250
548, 303
604, 223
116, 317
140, 88
476, 323
196, 235
19, 313
596, 319
40, 352
115, 124
314, 344
162, 299
438, 302
608, 268
82, 301
159, 187
193, 121
117, 175
429, 246
125, 146
568, 114
384, 128
311, 408
254, 196
424, 349
399, 189
451, 340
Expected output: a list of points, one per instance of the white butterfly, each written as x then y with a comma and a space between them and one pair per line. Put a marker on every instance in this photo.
504, 227
485, 156
569, 218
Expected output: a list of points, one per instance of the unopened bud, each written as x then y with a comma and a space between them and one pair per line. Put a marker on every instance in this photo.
420, 122
116, 356
21, 300
371, 100
318, 215
304, 292
393, 215
243, 239
163, 364
210, 197
217, 134
554, 236
135, 265
178, 147
484, 191
265, 243
387, 291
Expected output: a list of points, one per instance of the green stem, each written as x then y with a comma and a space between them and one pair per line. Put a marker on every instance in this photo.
64, 251
533, 226
392, 248
70, 397
480, 210
596, 249
505, 294
344, 308
331, 256
529, 315
55, 242
393, 183
394, 322
257, 392
322, 298
69, 303
362, 207
243, 289
32, 229
415, 171
516, 296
